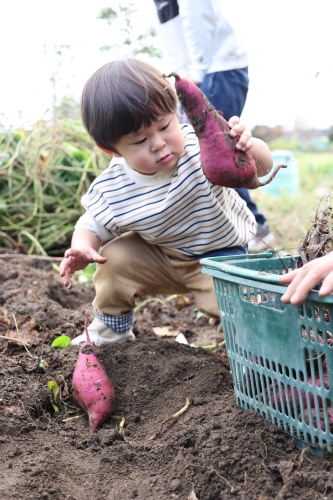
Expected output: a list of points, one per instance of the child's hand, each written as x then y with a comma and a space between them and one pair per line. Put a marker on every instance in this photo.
240, 130
76, 259
302, 280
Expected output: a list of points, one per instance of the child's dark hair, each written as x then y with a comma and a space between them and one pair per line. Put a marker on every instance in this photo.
123, 95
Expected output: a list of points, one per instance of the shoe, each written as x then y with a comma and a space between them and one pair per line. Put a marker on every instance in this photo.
258, 245
101, 334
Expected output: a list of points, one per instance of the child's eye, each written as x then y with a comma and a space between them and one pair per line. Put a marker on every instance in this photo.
140, 142
165, 127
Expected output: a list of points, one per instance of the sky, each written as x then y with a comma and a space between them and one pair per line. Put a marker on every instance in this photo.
290, 44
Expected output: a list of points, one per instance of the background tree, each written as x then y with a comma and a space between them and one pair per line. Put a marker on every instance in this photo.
330, 134
126, 36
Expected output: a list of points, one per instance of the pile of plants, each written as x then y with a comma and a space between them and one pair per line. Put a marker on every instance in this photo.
44, 172
319, 238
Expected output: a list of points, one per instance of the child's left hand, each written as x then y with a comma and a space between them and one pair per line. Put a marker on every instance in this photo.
237, 129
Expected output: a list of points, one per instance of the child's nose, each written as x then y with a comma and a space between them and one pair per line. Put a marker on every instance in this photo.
158, 143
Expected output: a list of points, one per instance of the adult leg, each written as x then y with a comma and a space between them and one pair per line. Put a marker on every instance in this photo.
244, 193
227, 91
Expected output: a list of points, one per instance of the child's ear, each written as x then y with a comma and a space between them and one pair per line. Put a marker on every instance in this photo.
108, 151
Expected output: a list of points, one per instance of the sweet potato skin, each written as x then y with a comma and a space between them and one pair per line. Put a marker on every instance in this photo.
221, 162
92, 388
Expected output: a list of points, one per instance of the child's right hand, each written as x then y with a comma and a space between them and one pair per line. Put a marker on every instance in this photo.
238, 129
76, 259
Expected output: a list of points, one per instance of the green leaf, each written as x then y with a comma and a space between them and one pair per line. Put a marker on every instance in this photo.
62, 341
86, 275
53, 386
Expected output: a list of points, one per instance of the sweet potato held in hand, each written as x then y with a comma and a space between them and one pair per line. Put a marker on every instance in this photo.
221, 162
92, 389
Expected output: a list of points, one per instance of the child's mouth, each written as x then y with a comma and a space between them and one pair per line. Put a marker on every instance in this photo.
165, 159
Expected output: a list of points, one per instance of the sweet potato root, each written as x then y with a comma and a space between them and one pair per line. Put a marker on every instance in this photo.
221, 162
92, 389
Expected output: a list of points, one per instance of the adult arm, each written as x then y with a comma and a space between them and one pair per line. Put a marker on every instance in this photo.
198, 23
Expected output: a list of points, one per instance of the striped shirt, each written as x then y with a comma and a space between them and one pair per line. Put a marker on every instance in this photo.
179, 209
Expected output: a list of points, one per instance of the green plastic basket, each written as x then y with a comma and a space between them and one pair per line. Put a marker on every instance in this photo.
281, 356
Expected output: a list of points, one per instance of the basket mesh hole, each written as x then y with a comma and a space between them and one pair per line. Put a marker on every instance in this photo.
306, 413
308, 310
262, 361
317, 313
292, 408
315, 422
308, 357
324, 365
320, 337
252, 299
301, 376
304, 333
301, 310
280, 369
258, 298
329, 338
286, 369
330, 413
312, 335
251, 289
294, 397
244, 289
293, 372
265, 297
272, 296
326, 315
282, 402
277, 271
273, 366
268, 364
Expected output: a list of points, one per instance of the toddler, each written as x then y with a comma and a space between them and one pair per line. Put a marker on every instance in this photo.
152, 214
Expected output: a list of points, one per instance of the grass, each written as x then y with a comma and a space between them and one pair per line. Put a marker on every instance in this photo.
290, 217
43, 174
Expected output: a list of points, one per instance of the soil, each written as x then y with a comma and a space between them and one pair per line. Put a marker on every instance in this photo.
213, 450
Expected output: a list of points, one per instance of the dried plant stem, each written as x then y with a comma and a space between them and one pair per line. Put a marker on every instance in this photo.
174, 416
24, 256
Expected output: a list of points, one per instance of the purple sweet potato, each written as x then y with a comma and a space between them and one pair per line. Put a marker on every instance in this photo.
221, 162
283, 395
92, 388
321, 422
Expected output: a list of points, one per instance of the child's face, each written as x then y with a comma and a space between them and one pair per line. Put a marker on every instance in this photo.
155, 148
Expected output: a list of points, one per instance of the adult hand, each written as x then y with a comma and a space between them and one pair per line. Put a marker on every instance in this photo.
302, 280
76, 259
